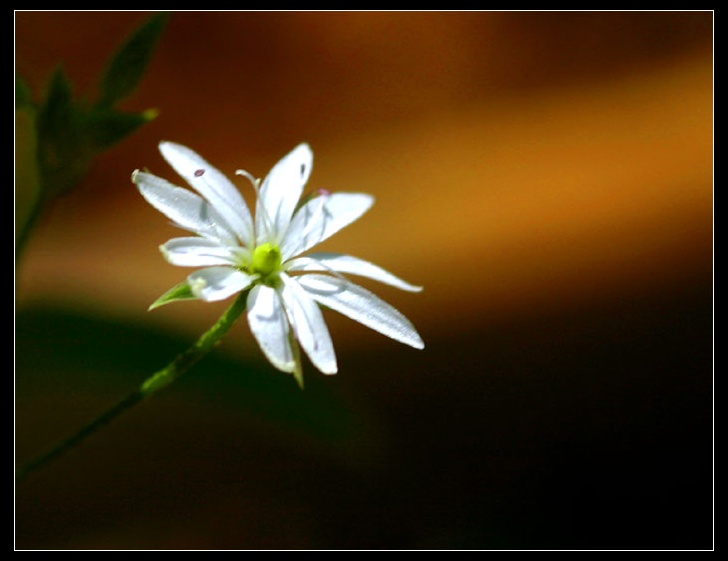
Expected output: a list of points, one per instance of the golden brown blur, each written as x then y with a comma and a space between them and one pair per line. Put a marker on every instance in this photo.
547, 177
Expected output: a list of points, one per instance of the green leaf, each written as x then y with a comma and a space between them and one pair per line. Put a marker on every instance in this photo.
125, 69
180, 292
104, 128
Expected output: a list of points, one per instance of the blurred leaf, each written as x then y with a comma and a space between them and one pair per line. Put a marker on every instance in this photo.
180, 292
27, 174
55, 121
23, 95
70, 134
127, 66
104, 128
60, 146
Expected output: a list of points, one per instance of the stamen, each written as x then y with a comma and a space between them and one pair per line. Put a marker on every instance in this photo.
249, 177
199, 172
267, 222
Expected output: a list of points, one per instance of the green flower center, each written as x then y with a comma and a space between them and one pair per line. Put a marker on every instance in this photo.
266, 260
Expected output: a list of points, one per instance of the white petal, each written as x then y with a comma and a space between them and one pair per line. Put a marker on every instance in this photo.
217, 283
340, 263
270, 327
183, 207
320, 218
213, 185
361, 305
280, 193
308, 325
200, 252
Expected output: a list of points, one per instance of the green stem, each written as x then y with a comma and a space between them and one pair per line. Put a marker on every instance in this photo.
154, 383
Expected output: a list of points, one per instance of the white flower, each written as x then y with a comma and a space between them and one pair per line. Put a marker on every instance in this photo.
262, 254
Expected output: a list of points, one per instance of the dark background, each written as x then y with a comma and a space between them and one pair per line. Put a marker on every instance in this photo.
546, 176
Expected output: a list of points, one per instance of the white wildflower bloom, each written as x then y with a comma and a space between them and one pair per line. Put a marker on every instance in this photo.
238, 251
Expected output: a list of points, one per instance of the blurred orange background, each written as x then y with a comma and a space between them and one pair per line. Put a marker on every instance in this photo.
531, 170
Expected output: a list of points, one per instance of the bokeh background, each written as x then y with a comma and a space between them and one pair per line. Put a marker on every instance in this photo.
546, 176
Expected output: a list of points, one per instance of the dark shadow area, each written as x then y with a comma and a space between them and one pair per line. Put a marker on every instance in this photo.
581, 430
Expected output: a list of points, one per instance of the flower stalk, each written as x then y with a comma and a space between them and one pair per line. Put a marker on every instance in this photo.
202, 346
160, 379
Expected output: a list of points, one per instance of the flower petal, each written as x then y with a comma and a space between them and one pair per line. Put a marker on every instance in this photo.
361, 305
280, 192
213, 185
270, 327
217, 283
186, 209
309, 326
200, 252
347, 264
320, 218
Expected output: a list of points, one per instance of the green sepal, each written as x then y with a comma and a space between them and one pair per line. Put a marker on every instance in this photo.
126, 68
180, 292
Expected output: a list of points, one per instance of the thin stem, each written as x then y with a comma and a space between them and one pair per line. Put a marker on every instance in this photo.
72, 441
154, 383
